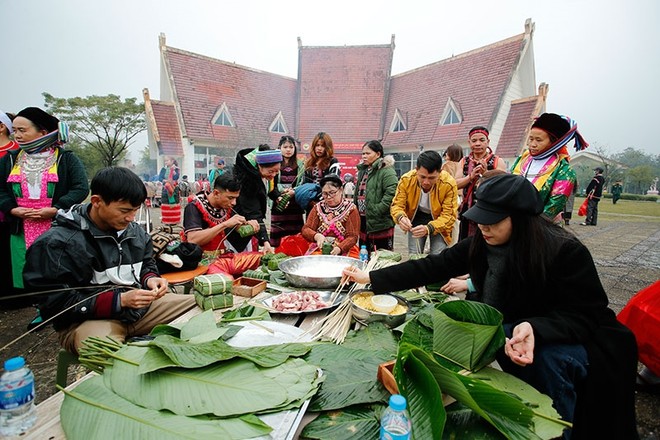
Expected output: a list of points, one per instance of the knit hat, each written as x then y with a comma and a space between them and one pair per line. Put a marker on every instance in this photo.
40, 118
268, 157
552, 124
503, 195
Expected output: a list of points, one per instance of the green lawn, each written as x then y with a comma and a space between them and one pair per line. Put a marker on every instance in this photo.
625, 210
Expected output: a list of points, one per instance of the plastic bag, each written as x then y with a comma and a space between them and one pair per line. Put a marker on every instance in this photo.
583, 208
642, 316
293, 245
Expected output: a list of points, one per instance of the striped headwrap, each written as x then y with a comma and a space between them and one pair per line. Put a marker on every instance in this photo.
571, 134
57, 137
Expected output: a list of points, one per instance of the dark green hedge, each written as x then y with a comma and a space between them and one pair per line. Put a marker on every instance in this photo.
641, 197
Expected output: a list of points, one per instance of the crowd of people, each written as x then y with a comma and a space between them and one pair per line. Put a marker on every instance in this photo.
491, 231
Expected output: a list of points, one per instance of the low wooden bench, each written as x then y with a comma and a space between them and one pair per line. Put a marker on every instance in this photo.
184, 278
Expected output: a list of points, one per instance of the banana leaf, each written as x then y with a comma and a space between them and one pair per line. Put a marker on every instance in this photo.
417, 334
376, 337
198, 325
546, 417
92, 411
461, 324
349, 382
206, 390
423, 395
507, 413
361, 422
184, 354
244, 311
463, 423
351, 368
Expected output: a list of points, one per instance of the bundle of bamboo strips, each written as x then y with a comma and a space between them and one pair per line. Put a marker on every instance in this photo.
336, 325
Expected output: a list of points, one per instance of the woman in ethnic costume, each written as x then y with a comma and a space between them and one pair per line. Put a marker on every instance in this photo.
6, 145
6, 130
37, 180
252, 167
170, 207
471, 168
286, 215
375, 188
545, 162
334, 220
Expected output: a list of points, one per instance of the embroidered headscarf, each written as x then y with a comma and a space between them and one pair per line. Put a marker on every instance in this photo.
562, 129
58, 132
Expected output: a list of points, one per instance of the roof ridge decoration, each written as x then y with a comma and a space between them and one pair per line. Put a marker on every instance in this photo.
222, 117
451, 114
279, 124
398, 124
149, 113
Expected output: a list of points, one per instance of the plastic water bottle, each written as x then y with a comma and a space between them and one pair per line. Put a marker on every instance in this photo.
395, 423
364, 254
17, 410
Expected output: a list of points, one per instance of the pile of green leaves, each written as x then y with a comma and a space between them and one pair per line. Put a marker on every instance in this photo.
351, 399
189, 385
437, 349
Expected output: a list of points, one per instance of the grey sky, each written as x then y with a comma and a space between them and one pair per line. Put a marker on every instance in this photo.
600, 58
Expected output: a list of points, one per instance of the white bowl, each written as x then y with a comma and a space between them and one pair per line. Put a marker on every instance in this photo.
384, 303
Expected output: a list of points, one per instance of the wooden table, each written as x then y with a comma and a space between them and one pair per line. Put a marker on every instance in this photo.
48, 425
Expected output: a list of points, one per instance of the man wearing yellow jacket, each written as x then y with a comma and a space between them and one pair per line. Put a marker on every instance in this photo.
426, 204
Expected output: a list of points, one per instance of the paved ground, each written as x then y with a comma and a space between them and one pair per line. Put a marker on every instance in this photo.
626, 250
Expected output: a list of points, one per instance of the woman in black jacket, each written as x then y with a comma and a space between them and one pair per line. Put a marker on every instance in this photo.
253, 166
562, 337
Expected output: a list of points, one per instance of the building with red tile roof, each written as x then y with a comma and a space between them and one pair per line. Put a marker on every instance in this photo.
212, 108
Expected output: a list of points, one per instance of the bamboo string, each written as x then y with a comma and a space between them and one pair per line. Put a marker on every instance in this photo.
37, 327
336, 325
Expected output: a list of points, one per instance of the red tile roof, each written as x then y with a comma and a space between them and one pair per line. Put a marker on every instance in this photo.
253, 98
513, 139
476, 81
343, 91
167, 133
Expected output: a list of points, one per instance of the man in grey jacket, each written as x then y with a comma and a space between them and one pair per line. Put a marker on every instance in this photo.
103, 263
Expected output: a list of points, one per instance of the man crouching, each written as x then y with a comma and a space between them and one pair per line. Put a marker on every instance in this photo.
98, 243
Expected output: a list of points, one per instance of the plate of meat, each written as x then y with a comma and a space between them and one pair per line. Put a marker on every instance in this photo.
302, 301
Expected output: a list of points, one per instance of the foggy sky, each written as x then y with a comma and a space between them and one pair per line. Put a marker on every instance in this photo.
600, 58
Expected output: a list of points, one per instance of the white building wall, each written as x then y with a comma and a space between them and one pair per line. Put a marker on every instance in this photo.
522, 85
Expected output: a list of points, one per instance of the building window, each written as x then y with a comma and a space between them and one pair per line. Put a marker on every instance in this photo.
223, 117
397, 122
278, 125
451, 114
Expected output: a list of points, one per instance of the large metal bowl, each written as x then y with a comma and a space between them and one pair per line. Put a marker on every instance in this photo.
316, 271
366, 317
